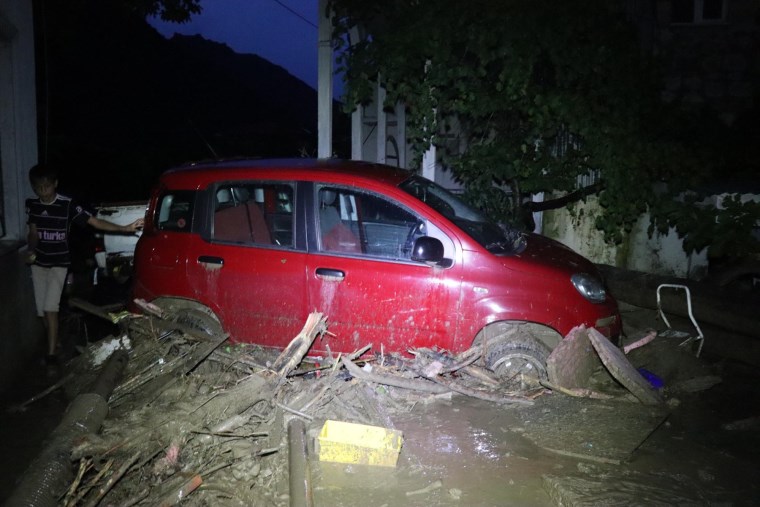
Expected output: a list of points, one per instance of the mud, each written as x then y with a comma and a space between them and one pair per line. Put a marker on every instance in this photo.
700, 448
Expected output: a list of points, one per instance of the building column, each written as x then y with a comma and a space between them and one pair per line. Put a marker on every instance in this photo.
324, 82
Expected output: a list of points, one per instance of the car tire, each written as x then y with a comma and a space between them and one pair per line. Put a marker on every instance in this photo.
188, 313
199, 321
519, 361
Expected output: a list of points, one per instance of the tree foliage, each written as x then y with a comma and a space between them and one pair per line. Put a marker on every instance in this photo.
178, 11
537, 93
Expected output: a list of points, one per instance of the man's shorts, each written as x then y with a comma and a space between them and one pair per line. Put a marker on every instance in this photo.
48, 287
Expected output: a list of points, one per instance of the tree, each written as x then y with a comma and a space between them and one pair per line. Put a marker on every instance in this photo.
178, 11
539, 93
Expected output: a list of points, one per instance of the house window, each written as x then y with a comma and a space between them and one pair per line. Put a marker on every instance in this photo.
698, 11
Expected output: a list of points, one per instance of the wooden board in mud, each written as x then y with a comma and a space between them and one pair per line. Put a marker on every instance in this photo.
606, 431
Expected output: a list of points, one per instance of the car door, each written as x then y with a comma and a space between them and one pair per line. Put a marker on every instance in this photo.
359, 274
249, 268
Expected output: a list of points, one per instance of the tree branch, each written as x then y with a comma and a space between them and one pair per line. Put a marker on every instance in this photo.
566, 199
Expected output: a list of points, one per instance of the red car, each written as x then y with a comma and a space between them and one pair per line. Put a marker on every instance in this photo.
390, 258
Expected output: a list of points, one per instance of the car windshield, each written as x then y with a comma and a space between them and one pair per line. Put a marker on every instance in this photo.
497, 239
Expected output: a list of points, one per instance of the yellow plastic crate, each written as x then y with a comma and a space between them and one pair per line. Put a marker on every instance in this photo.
344, 442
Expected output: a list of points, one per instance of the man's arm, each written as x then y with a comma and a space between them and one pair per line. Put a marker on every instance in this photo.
31, 238
107, 226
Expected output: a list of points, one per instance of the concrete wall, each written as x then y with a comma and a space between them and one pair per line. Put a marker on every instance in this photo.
21, 332
19, 327
660, 254
576, 229
18, 112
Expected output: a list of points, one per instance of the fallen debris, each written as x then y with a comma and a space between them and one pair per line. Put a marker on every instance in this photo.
648, 337
57, 385
622, 369
195, 415
577, 392
746, 424
695, 384
428, 489
573, 361
359, 444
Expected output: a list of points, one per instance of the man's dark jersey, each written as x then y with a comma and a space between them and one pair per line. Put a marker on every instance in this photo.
53, 222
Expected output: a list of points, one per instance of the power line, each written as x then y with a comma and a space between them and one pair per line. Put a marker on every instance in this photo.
294, 13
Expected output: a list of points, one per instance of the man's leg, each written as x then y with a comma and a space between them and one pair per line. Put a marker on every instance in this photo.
55, 282
39, 280
51, 325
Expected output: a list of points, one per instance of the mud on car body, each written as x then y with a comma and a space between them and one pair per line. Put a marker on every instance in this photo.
391, 258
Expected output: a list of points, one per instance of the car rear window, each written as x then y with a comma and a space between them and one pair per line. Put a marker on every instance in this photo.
175, 211
254, 212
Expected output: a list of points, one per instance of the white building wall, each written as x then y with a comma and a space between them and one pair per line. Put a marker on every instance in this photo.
18, 112
577, 231
663, 254
660, 254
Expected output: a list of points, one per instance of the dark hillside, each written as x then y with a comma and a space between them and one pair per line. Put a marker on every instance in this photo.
118, 103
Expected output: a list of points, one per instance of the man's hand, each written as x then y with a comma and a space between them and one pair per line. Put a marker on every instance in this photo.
30, 257
136, 225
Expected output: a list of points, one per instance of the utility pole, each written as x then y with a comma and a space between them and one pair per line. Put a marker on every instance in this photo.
324, 82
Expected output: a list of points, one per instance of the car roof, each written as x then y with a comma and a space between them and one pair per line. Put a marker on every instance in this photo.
200, 174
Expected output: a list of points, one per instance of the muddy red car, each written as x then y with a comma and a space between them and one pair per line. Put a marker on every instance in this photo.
391, 259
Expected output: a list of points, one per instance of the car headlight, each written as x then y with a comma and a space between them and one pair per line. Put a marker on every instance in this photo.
590, 287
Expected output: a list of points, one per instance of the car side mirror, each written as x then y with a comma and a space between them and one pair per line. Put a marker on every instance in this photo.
428, 250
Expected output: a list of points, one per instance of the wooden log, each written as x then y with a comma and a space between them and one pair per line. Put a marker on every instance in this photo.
483, 395
300, 345
390, 380
298, 466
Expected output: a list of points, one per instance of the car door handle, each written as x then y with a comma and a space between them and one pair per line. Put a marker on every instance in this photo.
331, 274
210, 259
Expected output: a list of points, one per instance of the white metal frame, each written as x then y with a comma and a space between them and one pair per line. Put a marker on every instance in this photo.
700, 336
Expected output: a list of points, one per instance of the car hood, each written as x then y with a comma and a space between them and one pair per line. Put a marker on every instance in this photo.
547, 257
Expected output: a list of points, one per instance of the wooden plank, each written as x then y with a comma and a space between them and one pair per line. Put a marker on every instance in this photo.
622, 369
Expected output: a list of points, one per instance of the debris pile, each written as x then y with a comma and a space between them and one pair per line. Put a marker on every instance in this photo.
198, 420
195, 415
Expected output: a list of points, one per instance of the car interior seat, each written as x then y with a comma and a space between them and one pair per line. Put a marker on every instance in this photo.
336, 236
242, 223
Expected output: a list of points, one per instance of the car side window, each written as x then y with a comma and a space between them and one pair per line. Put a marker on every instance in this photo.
356, 222
254, 212
175, 211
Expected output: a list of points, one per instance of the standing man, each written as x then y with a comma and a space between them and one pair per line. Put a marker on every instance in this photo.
50, 216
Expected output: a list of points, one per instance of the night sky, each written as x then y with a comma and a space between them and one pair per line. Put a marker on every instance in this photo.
281, 31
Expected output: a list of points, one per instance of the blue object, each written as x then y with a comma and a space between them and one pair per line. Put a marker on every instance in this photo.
653, 379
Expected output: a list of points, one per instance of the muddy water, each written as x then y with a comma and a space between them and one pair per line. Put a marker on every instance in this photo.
466, 444
487, 455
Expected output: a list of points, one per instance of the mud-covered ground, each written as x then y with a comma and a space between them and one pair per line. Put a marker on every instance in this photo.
701, 448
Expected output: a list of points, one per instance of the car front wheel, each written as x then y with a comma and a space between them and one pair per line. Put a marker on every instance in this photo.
519, 361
